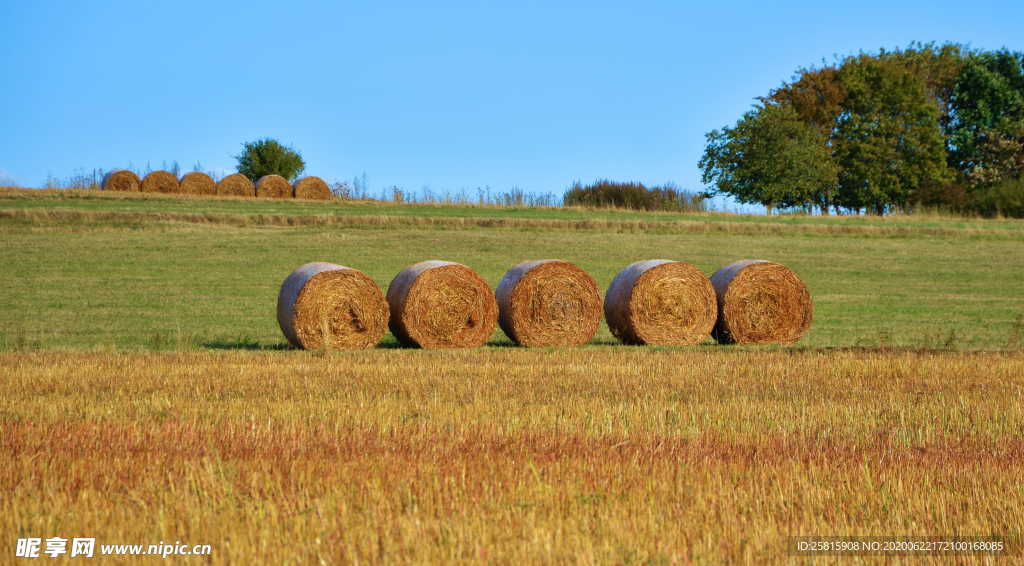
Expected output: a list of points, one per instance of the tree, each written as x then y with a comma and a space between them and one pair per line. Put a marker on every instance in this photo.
887, 141
771, 157
987, 129
269, 157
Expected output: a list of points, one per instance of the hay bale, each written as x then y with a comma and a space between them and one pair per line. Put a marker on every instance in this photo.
236, 185
197, 183
440, 304
122, 180
160, 182
323, 305
760, 302
659, 301
548, 302
273, 186
311, 188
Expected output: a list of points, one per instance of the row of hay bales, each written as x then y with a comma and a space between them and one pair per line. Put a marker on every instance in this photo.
441, 304
199, 183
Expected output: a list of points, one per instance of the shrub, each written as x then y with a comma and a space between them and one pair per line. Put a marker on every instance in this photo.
605, 193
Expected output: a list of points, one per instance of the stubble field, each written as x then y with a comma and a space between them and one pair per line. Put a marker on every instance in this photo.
147, 396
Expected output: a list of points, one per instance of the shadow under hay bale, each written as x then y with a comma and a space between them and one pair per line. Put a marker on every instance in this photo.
548, 302
323, 305
440, 304
311, 188
273, 186
122, 180
660, 302
236, 185
160, 182
197, 183
760, 302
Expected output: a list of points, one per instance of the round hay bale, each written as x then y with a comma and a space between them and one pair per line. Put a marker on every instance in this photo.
660, 301
440, 304
760, 302
548, 302
273, 186
160, 182
323, 305
236, 185
122, 180
197, 183
312, 188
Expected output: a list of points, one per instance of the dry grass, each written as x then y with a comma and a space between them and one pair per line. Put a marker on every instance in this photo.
601, 225
510, 456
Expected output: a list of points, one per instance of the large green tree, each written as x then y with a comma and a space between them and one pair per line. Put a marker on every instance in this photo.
269, 157
887, 140
771, 157
987, 130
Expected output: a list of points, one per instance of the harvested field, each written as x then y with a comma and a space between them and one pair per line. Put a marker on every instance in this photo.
511, 456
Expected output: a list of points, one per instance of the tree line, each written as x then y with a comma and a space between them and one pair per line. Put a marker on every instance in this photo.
938, 126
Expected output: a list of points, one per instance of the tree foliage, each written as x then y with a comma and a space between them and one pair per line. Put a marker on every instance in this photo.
936, 125
269, 157
772, 157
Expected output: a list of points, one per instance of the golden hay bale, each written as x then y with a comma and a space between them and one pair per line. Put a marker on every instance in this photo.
760, 302
197, 183
312, 188
160, 182
236, 185
659, 301
122, 180
273, 186
333, 306
548, 302
440, 304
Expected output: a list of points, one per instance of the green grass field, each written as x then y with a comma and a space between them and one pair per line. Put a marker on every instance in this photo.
129, 279
147, 394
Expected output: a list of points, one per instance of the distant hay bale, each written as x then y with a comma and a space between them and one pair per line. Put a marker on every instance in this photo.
197, 183
122, 180
660, 301
440, 304
273, 186
760, 302
548, 302
323, 305
312, 188
160, 182
236, 185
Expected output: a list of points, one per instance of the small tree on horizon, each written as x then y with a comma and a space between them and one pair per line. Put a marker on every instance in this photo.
268, 157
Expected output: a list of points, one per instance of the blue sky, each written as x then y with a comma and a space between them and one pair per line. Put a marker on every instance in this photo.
446, 95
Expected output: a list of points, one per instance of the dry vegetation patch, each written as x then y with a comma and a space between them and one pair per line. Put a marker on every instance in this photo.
511, 455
